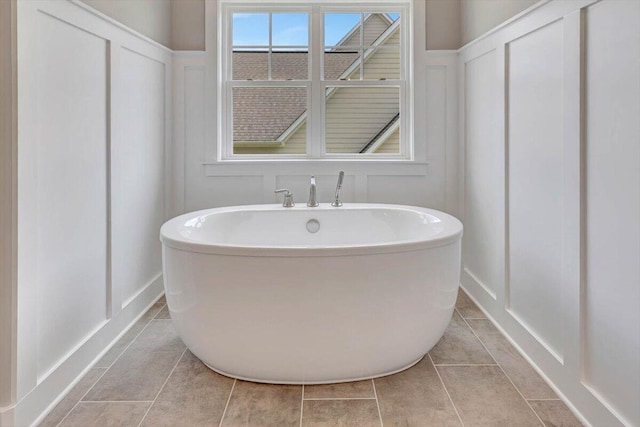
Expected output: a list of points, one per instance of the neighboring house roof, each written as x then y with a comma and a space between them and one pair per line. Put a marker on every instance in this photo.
267, 115
263, 114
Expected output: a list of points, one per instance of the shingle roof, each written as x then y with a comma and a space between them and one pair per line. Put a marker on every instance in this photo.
263, 114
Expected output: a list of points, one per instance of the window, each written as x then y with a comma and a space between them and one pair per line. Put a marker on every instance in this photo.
320, 81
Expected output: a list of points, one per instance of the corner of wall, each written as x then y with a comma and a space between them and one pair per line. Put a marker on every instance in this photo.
8, 206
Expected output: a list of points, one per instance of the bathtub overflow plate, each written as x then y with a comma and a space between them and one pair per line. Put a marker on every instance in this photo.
313, 226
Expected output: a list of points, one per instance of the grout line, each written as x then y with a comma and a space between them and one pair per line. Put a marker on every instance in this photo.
106, 368
117, 401
302, 405
375, 393
465, 364
159, 311
228, 400
339, 398
163, 385
80, 400
505, 374
136, 337
446, 391
551, 400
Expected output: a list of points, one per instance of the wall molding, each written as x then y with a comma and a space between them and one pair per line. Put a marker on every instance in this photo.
562, 367
43, 381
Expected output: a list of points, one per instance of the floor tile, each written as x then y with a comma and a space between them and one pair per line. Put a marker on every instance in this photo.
530, 384
340, 391
69, 401
262, 405
193, 396
485, 397
164, 313
340, 413
460, 346
106, 414
467, 308
554, 413
143, 368
117, 349
162, 300
415, 397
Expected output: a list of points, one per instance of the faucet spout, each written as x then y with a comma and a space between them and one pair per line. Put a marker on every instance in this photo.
336, 202
313, 200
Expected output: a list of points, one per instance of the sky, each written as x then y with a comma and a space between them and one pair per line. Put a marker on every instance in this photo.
290, 29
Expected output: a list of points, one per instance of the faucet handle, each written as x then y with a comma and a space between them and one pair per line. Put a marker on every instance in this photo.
288, 198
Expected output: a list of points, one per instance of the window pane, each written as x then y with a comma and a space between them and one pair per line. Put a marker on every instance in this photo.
338, 25
290, 29
363, 120
289, 64
342, 64
269, 120
382, 63
250, 64
250, 29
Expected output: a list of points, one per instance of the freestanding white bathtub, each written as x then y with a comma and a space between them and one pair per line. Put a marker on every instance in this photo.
257, 295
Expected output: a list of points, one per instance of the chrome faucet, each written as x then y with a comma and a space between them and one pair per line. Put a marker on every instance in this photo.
313, 201
336, 202
288, 198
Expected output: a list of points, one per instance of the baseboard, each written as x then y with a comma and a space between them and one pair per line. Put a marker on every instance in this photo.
37, 404
526, 357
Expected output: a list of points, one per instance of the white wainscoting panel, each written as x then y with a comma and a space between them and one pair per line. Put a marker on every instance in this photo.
94, 122
484, 175
70, 196
562, 138
138, 193
401, 190
535, 183
612, 208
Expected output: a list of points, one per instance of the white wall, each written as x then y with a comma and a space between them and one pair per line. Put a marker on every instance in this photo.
187, 24
479, 16
442, 24
203, 182
442, 27
151, 18
8, 205
94, 128
550, 180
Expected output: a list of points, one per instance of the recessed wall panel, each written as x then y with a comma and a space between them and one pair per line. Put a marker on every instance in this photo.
436, 127
483, 244
138, 170
230, 191
612, 264
70, 154
402, 190
535, 182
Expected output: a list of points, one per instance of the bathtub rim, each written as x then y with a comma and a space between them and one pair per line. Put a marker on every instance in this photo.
169, 235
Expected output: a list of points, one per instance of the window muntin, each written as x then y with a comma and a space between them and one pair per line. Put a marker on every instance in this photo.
347, 86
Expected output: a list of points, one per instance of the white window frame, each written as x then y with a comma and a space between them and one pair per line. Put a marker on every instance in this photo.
316, 87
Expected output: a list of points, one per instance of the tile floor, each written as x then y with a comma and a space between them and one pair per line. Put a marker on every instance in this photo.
473, 377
